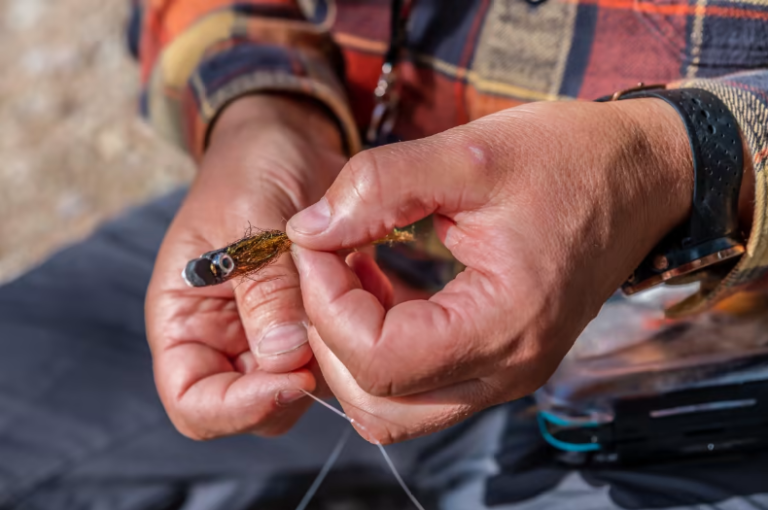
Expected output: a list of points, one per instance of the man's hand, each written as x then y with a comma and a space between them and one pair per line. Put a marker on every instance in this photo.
550, 206
232, 358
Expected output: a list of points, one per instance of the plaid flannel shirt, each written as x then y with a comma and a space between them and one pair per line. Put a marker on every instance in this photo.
463, 59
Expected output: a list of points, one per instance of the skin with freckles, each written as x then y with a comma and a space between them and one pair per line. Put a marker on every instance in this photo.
549, 205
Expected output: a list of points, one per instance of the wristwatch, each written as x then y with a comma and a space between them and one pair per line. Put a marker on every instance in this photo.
709, 243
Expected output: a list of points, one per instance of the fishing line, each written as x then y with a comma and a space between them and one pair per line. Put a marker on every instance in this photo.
325, 470
399, 479
384, 453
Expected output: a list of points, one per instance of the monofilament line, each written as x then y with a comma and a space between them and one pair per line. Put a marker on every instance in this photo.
381, 449
399, 479
324, 471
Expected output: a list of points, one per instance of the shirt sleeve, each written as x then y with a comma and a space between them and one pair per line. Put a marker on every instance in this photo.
746, 95
199, 55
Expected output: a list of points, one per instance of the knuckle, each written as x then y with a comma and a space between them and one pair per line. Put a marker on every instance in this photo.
190, 432
189, 424
478, 156
272, 432
365, 177
192, 421
388, 436
277, 293
278, 425
475, 160
374, 383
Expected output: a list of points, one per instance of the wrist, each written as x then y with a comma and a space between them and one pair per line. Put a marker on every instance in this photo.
709, 241
284, 114
263, 162
663, 160
284, 141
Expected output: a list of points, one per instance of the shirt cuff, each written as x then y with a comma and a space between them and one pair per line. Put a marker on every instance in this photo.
214, 62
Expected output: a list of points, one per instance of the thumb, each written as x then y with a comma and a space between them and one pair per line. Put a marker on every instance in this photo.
394, 186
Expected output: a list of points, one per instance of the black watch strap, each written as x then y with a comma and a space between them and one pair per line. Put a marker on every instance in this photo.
711, 235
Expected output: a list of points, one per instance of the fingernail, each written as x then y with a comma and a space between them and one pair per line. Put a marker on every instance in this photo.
246, 362
288, 397
282, 339
312, 220
298, 258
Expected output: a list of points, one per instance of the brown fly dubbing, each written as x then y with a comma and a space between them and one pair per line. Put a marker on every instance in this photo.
255, 252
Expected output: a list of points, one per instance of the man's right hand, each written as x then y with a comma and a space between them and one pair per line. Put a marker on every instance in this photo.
233, 358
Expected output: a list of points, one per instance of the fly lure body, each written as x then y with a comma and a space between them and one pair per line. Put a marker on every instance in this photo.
246, 256
251, 254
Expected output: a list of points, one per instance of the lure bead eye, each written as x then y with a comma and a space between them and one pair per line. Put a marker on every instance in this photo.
225, 263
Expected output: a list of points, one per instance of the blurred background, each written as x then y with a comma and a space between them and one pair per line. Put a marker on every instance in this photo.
73, 151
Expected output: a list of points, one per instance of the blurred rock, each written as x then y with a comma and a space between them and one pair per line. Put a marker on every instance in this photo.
73, 151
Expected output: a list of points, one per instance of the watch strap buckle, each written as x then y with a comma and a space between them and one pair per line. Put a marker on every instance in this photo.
637, 88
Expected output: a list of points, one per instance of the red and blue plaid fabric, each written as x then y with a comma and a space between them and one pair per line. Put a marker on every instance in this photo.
463, 59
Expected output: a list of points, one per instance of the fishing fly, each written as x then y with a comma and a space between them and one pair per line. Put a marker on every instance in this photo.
251, 254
